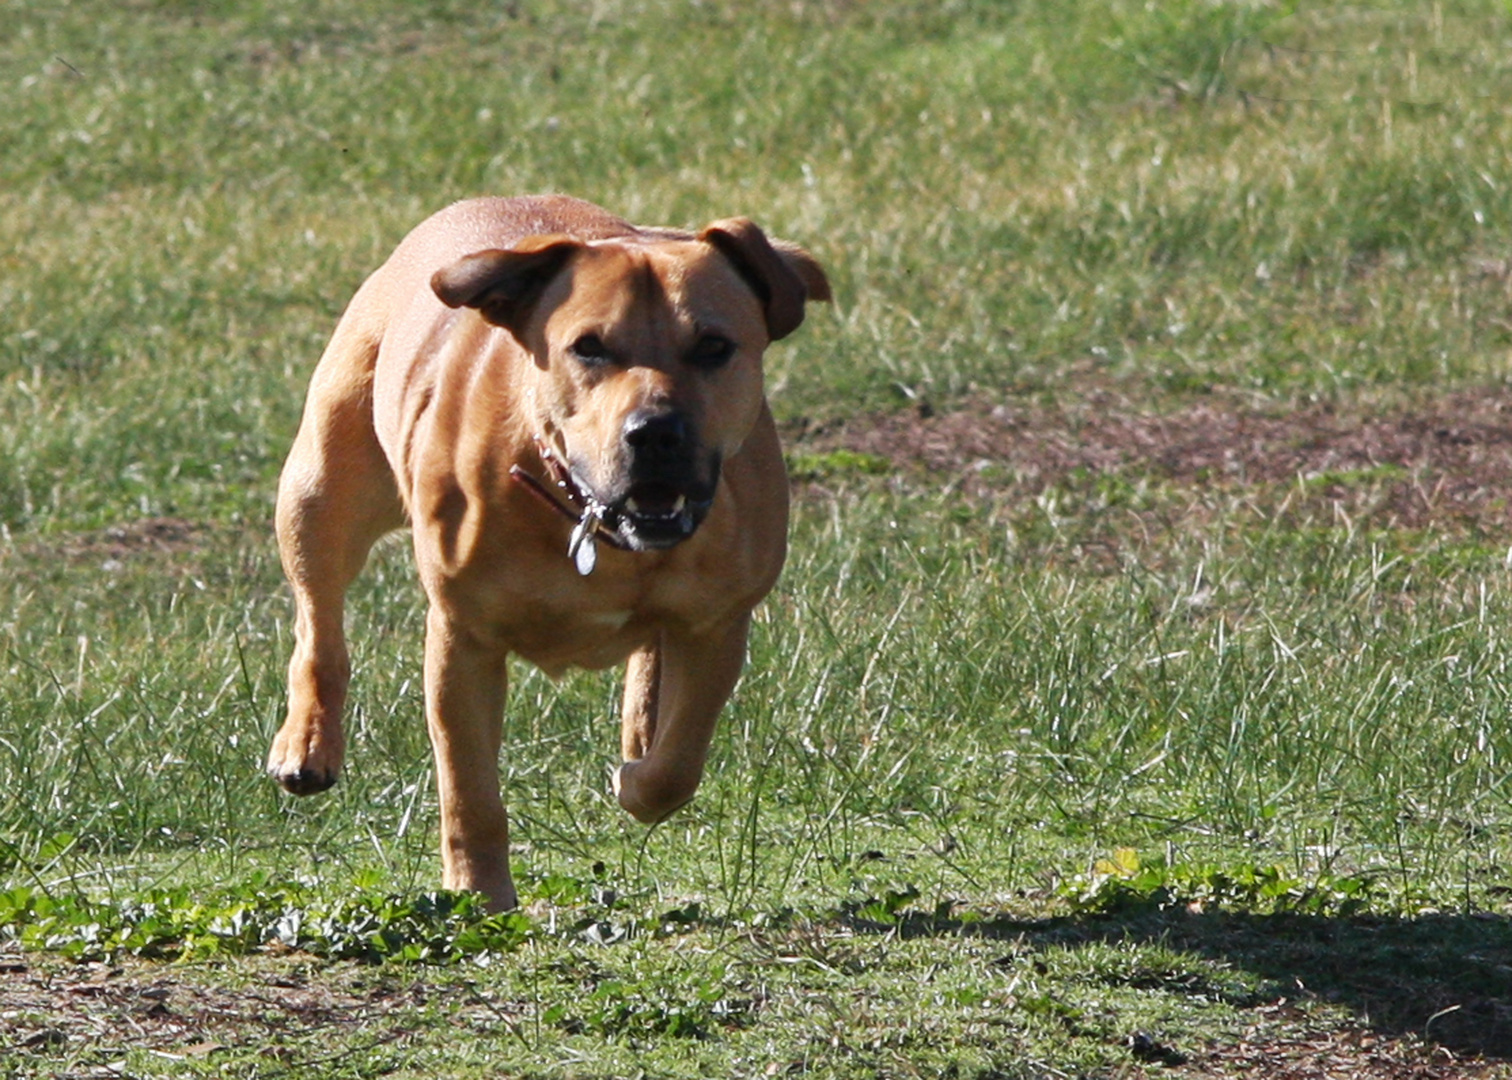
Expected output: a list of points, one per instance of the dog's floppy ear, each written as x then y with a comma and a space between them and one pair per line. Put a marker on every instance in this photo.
782, 275
504, 284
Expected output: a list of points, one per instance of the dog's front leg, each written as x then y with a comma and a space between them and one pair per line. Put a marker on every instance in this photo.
674, 691
642, 690
336, 497
465, 685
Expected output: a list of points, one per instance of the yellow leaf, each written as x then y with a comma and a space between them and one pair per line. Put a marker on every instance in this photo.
1125, 863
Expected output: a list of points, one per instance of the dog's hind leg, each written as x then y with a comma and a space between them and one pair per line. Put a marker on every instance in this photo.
336, 497
674, 691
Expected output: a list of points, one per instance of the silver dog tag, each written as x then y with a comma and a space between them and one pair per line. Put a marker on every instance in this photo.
582, 549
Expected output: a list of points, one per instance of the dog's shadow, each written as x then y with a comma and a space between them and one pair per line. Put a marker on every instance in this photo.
1446, 978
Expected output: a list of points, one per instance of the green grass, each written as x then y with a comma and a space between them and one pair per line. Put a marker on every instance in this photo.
1009, 781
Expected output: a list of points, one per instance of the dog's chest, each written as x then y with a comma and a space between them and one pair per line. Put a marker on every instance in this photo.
582, 639
556, 619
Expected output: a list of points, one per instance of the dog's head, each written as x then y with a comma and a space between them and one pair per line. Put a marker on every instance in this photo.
647, 355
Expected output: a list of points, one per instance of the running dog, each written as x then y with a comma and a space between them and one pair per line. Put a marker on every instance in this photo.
568, 412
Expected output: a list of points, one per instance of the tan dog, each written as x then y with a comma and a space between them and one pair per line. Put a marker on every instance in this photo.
569, 411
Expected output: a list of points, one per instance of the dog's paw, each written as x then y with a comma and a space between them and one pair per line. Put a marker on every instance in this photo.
649, 796
302, 781
303, 761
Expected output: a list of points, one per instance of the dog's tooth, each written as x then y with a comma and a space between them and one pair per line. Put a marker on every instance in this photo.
632, 506
680, 504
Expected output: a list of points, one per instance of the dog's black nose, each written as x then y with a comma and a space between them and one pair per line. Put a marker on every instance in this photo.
656, 435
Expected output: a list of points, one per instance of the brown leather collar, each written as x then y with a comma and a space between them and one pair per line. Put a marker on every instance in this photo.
574, 505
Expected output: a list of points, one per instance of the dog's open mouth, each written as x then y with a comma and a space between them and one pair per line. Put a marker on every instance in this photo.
653, 513
656, 515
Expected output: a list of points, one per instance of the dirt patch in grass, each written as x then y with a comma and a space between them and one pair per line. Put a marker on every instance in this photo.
1274, 1049
155, 535
79, 1020
117, 544
1442, 463
142, 550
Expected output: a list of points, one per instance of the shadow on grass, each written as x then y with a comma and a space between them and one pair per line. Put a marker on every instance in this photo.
1444, 978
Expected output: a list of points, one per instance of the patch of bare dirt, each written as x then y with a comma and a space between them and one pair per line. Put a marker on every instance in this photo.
1277, 1048
160, 535
116, 545
1447, 460
79, 1021
49, 1009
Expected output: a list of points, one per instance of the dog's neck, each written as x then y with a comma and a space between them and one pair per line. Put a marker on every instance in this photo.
574, 504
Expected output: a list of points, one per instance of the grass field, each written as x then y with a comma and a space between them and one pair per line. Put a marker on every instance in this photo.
1135, 698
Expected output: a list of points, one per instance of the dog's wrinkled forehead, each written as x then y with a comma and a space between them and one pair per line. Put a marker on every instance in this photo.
724, 270
670, 287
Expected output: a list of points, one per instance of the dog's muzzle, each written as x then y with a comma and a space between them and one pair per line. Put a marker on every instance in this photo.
666, 495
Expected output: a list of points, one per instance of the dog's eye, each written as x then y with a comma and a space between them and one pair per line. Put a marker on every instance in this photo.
590, 350
711, 351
